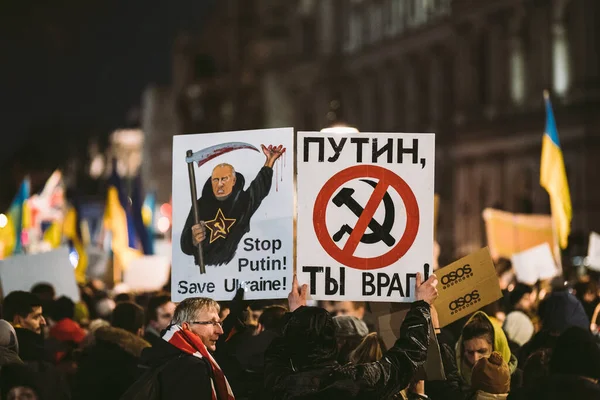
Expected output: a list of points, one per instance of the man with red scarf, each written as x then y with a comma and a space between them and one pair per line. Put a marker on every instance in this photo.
185, 353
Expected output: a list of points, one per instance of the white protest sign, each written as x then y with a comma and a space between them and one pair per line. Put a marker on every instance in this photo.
147, 273
593, 256
365, 214
536, 263
22, 272
245, 199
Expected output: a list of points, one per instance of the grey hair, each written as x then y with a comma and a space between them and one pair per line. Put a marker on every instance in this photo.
187, 309
226, 165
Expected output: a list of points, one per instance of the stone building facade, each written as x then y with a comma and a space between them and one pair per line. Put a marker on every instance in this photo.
471, 71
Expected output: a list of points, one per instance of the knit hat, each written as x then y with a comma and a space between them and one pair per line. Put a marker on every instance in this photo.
518, 292
348, 326
491, 375
518, 327
576, 353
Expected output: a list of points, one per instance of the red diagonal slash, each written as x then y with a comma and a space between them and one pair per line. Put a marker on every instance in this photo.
365, 217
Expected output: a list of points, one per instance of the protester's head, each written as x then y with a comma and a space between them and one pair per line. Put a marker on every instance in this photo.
8, 336
586, 292
201, 316
20, 382
328, 305
128, 316
160, 312
371, 349
477, 339
62, 308
352, 308
522, 297
518, 328
537, 367
44, 291
310, 337
576, 353
223, 180
561, 310
24, 310
104, 305
349, 332
272, 319
491, 375
123, 297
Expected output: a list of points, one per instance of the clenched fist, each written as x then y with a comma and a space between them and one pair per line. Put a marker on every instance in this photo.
426, 290
198, 233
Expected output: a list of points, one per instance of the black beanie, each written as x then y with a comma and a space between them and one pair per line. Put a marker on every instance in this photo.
576, 353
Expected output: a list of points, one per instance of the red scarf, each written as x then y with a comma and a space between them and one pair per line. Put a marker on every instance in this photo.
188, 342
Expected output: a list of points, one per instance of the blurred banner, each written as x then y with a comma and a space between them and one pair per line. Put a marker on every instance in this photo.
509, 233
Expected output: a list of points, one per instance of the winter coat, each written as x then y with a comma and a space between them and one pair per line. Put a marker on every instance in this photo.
301, 364
558, 387
52, 382
500, 345
185, 376
109, 366
9, 356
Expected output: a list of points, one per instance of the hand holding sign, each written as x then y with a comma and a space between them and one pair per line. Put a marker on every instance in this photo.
198, 233
272, 153
297, 296
426, 291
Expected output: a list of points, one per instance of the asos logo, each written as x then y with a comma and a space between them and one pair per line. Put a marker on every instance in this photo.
456, 276
465, 301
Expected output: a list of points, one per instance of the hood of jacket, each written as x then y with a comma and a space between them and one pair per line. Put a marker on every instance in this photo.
127, 341
309, 337
500, 345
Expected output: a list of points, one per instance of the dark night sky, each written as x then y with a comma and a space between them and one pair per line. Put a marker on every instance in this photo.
71, 67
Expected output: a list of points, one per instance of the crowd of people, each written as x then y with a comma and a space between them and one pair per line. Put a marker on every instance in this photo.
537, 342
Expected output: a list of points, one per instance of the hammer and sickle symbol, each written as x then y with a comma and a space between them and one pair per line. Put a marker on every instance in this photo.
380, 232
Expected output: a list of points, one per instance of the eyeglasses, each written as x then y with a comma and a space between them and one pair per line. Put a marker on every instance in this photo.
213, 323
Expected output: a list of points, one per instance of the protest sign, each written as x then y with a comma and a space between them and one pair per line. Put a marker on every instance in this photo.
465, 286
536, 263
245, 205
147, 273
509, 233
388, 328
593, 257
22, 272
365, 214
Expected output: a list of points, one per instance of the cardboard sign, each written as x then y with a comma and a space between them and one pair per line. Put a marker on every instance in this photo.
534, 264
244, 186
22, 272
593, 257
509, 233
388, 327
465, 286
147, 273
365, 214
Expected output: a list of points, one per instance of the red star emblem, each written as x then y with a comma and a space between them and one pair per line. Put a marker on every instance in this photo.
219, 226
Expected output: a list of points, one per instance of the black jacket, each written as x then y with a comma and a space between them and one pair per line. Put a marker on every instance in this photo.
109, 366
306, 369
184, 377
240, 206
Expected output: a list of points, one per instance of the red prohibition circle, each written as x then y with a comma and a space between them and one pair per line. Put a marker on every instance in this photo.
386, 179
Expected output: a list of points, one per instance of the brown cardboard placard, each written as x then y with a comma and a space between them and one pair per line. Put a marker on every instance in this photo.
465, 286
388, 327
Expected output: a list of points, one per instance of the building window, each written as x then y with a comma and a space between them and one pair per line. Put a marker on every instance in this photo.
375, 22
398, 16
326, 25
560, 55
517, 72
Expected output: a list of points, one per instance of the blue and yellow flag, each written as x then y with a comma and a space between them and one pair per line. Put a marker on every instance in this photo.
72, 231
148, 219
553, 177
17, 218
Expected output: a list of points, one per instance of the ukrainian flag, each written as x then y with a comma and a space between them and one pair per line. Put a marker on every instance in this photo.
553, 177
148, 219
17, 218
72, 231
